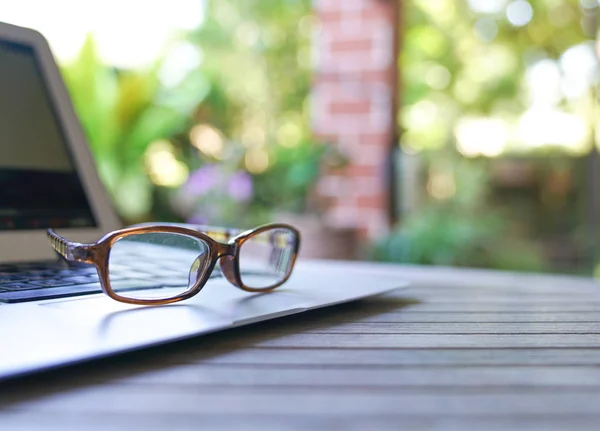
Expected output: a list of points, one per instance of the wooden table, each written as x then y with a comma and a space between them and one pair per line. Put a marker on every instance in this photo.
460, 349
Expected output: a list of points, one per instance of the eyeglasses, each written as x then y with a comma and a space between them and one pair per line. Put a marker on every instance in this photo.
156, 264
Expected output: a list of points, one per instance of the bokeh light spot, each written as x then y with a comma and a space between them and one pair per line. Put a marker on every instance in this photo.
487, 6
163, 167
257, 160
438, 77
207, 139
519, 13
486, 29
289, 135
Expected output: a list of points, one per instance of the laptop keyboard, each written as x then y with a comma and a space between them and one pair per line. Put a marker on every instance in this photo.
44, 281
32, 282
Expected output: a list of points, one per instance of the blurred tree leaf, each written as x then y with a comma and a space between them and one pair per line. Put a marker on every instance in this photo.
122, 112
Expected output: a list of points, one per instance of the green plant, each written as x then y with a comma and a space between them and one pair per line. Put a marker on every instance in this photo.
474, 76
122, 113
257, 61
460, 228
243, 108
442, 235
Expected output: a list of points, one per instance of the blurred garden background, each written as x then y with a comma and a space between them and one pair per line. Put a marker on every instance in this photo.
452, 132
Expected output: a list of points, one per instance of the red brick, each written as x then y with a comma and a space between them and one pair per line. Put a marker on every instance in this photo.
354, 5
385, 7
360, 46
350, 107
363, 232
328, 17
380, 11
348, 28
361, 170
326, 137
377, 75
364, 186
326, 5
382, 138
377, 201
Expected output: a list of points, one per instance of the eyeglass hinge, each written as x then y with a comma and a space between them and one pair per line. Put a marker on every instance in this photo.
80, 253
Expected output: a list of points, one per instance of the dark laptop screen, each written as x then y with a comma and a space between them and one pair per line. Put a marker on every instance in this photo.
39, 187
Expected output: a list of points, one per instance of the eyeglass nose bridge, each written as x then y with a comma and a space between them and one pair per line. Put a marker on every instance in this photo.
224, 249
226, 254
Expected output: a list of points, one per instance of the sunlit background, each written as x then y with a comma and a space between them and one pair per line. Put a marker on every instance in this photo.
202, 111
187, 103
500, 114
128, 34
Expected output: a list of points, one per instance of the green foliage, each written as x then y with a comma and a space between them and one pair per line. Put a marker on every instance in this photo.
122, 112
256, 58
445, 235
292, 177
457, 64
251, 87
251, 51
470, 64
463, 230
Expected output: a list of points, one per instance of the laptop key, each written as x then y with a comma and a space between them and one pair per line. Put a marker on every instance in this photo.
80, 279
48, 293
66, 291
6, 280
24, 279
17, 286
51, 282
77, 271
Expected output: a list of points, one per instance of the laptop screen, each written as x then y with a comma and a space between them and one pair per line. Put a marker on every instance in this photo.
39, 186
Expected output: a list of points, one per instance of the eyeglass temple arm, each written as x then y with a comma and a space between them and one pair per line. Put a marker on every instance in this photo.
71, 251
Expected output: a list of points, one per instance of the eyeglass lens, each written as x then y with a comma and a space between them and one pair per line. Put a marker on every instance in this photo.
266, 258
156, 265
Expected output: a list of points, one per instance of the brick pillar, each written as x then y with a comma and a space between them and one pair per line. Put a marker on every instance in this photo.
353, 107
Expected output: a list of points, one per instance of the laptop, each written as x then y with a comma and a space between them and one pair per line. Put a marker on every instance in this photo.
53, 314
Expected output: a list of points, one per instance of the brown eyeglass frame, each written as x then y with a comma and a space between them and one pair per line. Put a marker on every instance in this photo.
227, 253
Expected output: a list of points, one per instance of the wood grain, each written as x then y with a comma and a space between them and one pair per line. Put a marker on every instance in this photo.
460, 349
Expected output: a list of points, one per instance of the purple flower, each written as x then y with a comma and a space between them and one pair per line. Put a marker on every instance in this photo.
203, 180
240, 187
198, 219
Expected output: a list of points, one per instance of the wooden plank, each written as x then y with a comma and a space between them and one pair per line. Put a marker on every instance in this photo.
411, 302
433, 341
393, 358
516, 290
249, 401
132, 422
376, 328
464, 317
456, 328
389, 309
507, 377
419, 298
499, 307
467, 292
